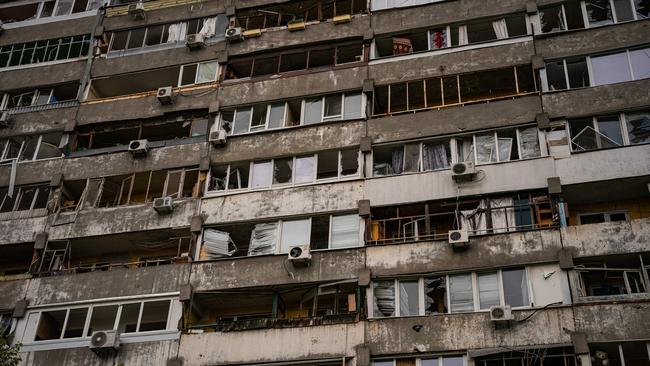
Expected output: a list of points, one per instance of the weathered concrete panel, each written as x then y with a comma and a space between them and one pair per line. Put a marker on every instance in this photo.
36, 76
236, 93
484, 252
107, 284
598, 99
608, 238
64, 28
39, 171
143, 107
301, 140
12, 291
612, 322
21, 230
270, 345
166, 15
164, 58
168, 157
510, 176
282, 202
466, 331
321, 32
245, 272
146, 353
115, 220
402, 19
37, 122
593, 40
603, 165
438, 64
454, 119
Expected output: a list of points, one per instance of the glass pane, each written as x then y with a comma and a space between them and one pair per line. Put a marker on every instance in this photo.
242, 120
578, 72
75, 325
29, 148
349, 162
328, 165
313, 110
64, 7
352, 106
26, 198
137, 38
154, 315
408, 298
610, 69
384, 293
488, 290
102, 318
333, 107
529, 143
599, 12
461, 295
258, 122
623, 10
555, 77
515, 287
304, 171
154, 35
227, 118
435, 295
294, 233
50, 325
640, 60
276, 118
583, 135
207, 72
189, 75
609, 128
436, 155
49, 147
638, 127
282, 170
486, 148
345, 231
129, 318
642, 8
551, 19
238, 177
452, 361
262, 174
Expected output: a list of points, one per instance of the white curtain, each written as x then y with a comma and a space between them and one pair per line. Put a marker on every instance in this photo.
264, 239
462, 35
434, 156
177, 32
500, 28
412, 157
474, 220
217, 244
503, 214
397, 160
209, 27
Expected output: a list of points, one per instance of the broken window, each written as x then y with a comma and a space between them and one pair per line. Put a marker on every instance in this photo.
638, 127
327, 166
154, 315
599, 12
595, 218
50, 325
24, 198
610, 276
594, 133
384, 298
263, 239
552, 356
44, 51
102, 318
435, 295
406, 43
406, 158
282, 170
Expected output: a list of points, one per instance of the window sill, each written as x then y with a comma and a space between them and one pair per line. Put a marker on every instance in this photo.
85, 341
214, 194
278, 255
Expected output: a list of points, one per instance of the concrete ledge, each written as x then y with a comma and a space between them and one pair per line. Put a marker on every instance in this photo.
170, 14
38, 122
602, 165
31, 172
48, 30
597, 99
613, 322
331, 265
36, 76
21, 230
608, 238
270, 345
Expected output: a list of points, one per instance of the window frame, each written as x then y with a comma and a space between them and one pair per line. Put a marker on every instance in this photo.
606, 214
623, 128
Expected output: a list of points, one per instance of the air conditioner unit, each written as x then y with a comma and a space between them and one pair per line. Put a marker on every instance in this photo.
195, 41
136, 10
5, 119
300, 255
459, 239
104, 341
163, 205
463, 171
501, 314
165, 95
139, 147
234, 34
218, 138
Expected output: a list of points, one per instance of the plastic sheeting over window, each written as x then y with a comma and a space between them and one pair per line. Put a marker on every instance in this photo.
217, 244
345, 231
264, 239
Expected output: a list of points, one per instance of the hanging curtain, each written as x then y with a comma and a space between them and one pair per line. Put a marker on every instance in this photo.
474, 220
263, 239
398, 160
435, 156
462, 35
176, 32
529, 141
217, 244
411, 157
503, 214
500, 28
209, 27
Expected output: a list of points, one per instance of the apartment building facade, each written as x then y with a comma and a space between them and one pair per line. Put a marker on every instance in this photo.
323, 182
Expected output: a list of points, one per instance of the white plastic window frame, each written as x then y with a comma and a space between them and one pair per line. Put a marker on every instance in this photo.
585, 15
538, 21
39, 10
4, 147
420, 156
606, 215
144, 40
196, 73
33, 319
475, 293
293, 183
18, 193
323, 118
418, 360
622, 119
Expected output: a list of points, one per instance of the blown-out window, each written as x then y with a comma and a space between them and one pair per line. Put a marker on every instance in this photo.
24, 198
605, 131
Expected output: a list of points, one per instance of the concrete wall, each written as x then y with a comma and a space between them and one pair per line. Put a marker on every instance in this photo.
454, 119
277, 203
272, 345
487, 251
21, 230
33, 77
331, 265
168, 14
503, 177
37, 122
593, 166
51, 30
608, 238
613, 322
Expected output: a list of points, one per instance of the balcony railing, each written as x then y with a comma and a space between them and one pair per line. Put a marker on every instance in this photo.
231, 325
